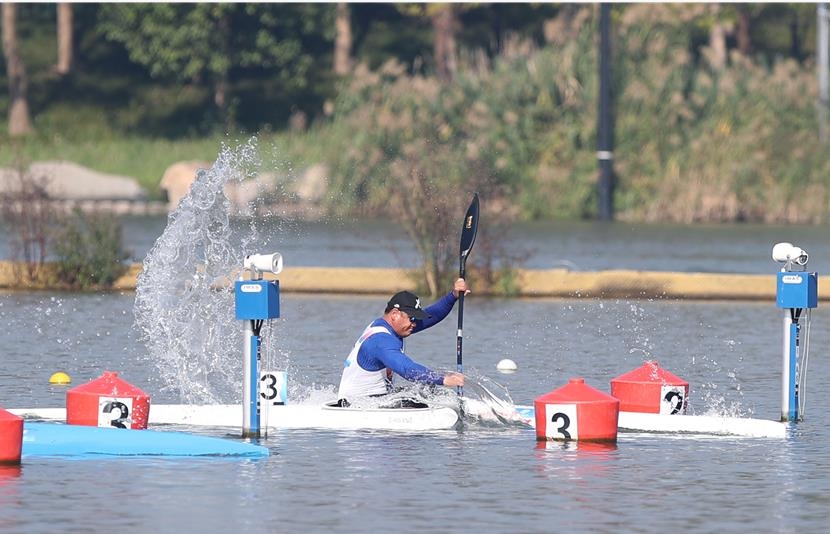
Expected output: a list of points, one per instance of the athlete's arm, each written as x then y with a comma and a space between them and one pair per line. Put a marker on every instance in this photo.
382, 350
437, 311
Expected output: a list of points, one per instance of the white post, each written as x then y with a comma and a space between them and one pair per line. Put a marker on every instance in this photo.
787, 377
250, 392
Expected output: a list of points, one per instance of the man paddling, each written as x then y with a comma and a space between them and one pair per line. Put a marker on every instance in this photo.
378, 352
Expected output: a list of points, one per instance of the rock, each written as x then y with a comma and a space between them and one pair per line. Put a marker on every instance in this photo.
65, 180
312, 185
243, 194
309, 188
177, 179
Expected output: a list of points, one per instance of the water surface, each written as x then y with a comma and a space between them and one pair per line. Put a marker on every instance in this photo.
476, 478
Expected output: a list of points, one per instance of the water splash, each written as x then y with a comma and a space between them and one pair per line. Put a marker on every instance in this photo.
184, 305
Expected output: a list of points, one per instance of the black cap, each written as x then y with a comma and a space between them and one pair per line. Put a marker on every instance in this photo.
409, 303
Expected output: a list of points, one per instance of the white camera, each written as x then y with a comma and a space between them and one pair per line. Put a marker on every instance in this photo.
788, 253
264, 263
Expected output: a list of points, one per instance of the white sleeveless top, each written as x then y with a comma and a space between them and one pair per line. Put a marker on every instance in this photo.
358, 382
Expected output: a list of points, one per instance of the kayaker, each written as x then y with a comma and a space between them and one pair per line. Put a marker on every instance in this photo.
378, 352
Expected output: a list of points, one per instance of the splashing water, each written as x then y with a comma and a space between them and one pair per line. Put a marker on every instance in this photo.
184, 309
488, 403
184, 301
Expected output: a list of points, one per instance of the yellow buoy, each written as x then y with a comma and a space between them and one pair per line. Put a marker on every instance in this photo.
60, 378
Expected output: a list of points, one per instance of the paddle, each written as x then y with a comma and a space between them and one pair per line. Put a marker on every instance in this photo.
468, 237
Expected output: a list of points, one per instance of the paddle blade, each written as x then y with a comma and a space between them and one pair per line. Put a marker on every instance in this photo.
470, 227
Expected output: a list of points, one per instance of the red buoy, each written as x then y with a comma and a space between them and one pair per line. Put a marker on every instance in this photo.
108, 401
651, 389
11, 437
576, 411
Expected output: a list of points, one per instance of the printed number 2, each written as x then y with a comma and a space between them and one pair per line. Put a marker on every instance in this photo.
123, 413
675, 400
566, 422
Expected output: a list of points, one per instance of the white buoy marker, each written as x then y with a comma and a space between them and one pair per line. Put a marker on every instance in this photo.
507, 366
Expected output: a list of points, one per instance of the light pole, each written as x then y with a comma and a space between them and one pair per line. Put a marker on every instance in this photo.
605, 119
822, 54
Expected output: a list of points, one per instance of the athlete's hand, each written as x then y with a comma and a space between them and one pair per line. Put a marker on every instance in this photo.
453, 379
460, 287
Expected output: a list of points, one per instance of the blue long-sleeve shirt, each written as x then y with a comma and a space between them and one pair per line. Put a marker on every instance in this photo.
386, 350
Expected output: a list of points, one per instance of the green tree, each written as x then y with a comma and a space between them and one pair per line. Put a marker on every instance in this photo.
207, 43
19, 121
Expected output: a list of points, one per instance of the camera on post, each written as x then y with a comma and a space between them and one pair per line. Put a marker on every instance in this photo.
264, 263
789, 254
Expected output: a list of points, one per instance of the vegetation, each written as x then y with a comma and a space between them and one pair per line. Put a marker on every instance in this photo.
86, 248
29, 217
89, 251
715, 105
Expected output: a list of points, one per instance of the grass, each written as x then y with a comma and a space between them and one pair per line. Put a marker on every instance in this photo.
144, 159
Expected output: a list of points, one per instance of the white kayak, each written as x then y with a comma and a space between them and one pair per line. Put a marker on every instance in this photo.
285, 416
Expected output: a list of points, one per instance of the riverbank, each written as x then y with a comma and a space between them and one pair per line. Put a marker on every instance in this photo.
530, 283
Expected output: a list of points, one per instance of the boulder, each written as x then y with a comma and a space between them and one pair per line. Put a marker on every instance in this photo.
65, 180
177, 179
243, 194
308, 189
312, 185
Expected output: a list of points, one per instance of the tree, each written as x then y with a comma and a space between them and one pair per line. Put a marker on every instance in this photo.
445, 24
343, 41
208, 43
20, 122
742, 30
65, 45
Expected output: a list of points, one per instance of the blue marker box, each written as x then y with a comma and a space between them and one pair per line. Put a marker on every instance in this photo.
797, 290
257, 299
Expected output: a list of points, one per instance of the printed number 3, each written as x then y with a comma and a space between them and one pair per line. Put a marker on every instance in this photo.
123, 413
566, 422
270, 392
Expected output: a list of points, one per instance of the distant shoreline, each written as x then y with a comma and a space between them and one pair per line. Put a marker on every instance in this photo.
557, 283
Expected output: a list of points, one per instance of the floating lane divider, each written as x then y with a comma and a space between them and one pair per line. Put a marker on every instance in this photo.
107, 401
651, 400
108, 417
699, 425
60, 440
578, 412
651, 389
11, 437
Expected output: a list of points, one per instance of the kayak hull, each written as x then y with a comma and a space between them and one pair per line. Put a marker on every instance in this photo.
287, 416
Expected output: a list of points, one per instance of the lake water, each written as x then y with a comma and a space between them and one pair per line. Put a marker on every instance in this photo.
479, 478
585, 246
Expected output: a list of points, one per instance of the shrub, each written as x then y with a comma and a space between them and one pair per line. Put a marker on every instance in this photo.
89, 251
26, 210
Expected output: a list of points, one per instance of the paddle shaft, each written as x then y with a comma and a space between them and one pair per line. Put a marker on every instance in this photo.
459, 340
460, 337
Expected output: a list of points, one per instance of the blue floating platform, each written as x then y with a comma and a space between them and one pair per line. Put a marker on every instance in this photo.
60, 440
